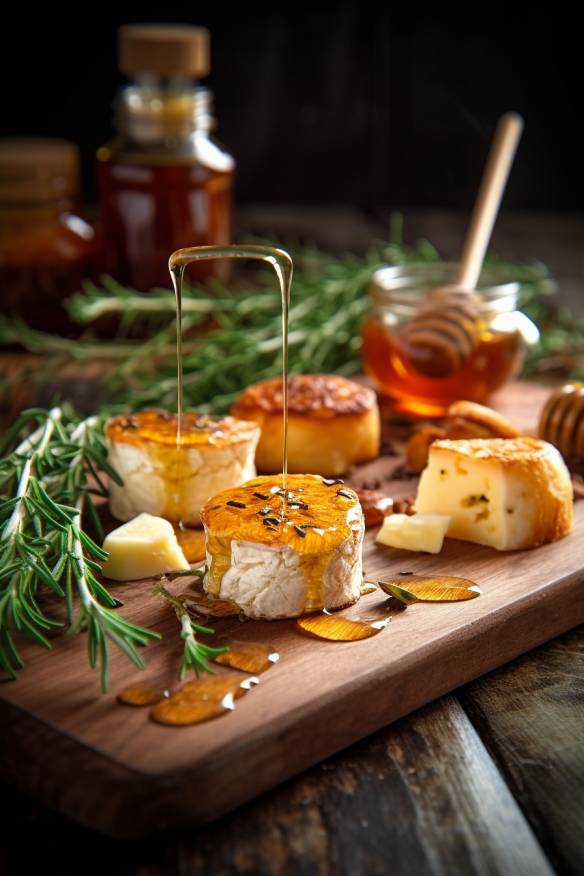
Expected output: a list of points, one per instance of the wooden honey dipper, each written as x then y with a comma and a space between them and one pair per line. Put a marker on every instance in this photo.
562, 423
446, 328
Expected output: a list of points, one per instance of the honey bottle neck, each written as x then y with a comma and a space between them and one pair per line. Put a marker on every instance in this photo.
156, 109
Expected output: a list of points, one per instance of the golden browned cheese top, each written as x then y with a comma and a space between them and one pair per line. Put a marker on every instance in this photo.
321, 513
159, 428
505, 450
316, 395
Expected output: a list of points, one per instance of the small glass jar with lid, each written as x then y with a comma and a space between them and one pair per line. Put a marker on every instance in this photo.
47, 249
164, 180
394, 295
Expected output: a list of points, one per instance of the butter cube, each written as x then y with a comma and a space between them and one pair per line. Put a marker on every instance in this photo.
141, 548
422, 532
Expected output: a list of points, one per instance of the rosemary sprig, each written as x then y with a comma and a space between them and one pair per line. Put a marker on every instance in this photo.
243, 345
47, 482
196, 655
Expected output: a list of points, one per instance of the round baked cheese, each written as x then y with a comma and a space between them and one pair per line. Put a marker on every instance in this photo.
274, 563
333, 423
174, 481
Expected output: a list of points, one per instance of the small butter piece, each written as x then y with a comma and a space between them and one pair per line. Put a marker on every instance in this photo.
143, 547
422, 532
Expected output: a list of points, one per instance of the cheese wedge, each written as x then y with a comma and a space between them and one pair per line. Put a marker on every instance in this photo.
422, 532
143, 547
509, 493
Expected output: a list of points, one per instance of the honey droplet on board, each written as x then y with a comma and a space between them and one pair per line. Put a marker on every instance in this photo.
436, 588
202, 700
210, 606
340, 629
253, 657
368, 587
191, 542
142, 695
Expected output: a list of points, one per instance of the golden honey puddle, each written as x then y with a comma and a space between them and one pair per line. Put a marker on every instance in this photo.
142, 695
210, 606
340, 629
437, 588
202, 700
253, 657
368, 587
191, 542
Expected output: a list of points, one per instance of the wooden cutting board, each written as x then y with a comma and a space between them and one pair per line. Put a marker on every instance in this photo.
109, 767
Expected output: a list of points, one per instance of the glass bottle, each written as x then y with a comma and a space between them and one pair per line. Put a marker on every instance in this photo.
46, 248
394, 293
164, 181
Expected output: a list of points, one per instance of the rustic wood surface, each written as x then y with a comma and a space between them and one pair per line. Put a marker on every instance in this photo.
386, 804
321, 696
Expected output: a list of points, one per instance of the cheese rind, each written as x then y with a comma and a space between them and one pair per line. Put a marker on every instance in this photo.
305, 559
171, 481
422, 532
509, 494
143, 547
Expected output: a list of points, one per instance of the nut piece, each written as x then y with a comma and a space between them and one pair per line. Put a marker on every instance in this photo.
466, 419
418, 446
376, 506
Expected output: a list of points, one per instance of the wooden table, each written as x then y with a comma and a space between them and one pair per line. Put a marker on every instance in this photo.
488, 780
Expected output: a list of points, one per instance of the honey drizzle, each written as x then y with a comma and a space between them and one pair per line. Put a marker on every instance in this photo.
282, 265
202, 700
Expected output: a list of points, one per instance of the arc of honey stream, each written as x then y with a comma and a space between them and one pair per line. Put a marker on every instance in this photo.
281, 262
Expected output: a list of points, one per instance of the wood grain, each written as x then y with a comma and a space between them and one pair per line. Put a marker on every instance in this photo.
421, 797
531, 717
318, 699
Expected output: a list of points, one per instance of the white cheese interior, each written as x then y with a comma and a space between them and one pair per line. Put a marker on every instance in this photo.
147, 487
489, 502
271, 582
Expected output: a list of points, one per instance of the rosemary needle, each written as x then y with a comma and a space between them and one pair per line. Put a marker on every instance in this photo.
52, 467
196, 655
329, 301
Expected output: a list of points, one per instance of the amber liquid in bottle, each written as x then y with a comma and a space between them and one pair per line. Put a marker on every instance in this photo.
150, 208
164, 180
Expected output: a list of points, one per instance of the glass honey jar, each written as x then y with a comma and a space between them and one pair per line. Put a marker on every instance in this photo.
47, 249
164, 181
395, 294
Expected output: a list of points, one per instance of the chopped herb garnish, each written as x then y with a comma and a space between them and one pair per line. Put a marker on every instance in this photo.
261, 496
236, 504
345, 494
302, 506
130, 423
271, 521
300, 531
264, 511
330, 482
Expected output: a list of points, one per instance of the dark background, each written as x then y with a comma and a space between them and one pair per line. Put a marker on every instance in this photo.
363, 104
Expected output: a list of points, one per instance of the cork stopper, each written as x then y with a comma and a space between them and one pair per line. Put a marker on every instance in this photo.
37, 170
163, 49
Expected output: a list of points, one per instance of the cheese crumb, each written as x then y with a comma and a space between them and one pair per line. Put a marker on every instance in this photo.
143, 547
422, 532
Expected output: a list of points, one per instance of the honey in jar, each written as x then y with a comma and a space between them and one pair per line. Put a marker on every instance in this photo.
164, 181
47, 249
394, 295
